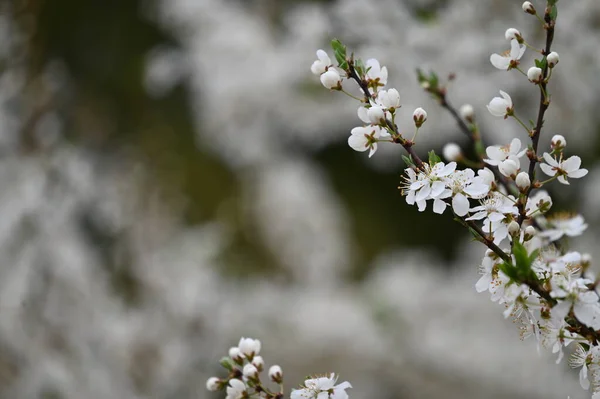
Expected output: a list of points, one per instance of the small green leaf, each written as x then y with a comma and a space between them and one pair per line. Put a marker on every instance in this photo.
339, 50
541, 63
420, 76
554, 12
359, 65
226, 363
408, 160
433, 158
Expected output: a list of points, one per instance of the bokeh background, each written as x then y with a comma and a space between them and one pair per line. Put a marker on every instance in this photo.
173, 177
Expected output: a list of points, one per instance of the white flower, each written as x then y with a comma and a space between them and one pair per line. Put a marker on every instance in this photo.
275, 373
555, 336
512, 33
419, 116
365, 138
375, 73
528, 7
411, 197
498, 154
213, 384
249, 346
236, 389
462, 185
432, 185
390, 99
539, 201
561, 226
534, 74
250, 371
579, 359
494, 208
510, 60
331, 79
523, 181
567, 168
552, 59
322, 64
509, 168
486, 270
452, 152
375, 114
501, 106
322, 388
558, 142
487, 176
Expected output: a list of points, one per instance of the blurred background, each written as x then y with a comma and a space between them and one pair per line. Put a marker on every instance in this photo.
173, 177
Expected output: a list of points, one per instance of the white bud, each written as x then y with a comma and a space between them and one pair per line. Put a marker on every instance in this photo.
534, 74
513, 228
586, 258
235, 353
331, 79
552, 59
320, 66
523, 181
250, 371
512, 33
487, 176
528, 8
452, 152
249, 346
467, 112
419, 116
375, 114
389, 98
558, 142
213, 384
530, 232
258, 362
275, 373
508, 168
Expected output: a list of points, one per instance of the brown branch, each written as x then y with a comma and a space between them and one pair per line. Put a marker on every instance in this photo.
544, 103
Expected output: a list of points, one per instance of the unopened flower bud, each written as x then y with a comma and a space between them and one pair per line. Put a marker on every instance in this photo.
530, 232
276, 374
512, 33
523, 181
513, 228
558, 142
250, 371
528, 8
389, 98
249, 346
452, 152
258, 362
213, 384
419, 116
467, 112
235, 353
375, 114
508, 168
586, 258
552, 59
534, 74
331, 79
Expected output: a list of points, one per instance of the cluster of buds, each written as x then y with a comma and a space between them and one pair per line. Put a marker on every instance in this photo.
245, 366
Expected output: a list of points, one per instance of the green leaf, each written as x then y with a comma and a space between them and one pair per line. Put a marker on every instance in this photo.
420, 76
554, 12
408, 160
434, 80
552, 2
509, 270
359, 65
226, 363
541, 63
433, 159
339, 50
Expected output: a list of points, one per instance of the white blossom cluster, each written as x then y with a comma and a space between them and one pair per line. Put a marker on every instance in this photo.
548, 290
245, 366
